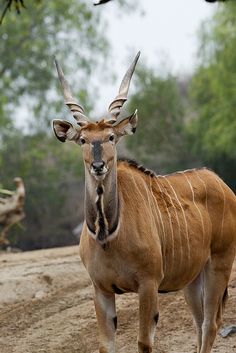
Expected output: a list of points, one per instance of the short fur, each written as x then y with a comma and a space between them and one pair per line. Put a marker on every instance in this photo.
173, 229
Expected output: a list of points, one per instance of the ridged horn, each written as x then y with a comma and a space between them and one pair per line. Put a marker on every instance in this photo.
118, 102
76, 109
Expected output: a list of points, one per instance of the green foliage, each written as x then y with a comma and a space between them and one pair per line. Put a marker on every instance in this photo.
212, 129
214, 86
8, 4
49, 169
70, 30
159, 139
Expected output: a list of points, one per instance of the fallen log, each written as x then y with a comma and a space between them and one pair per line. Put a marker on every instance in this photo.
11, 209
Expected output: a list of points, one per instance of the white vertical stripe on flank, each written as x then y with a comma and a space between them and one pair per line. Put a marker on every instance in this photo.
204, 184
158, 209
199, 212
160, 218
177, 218
185, 220
171, 226
223, 216
136, 186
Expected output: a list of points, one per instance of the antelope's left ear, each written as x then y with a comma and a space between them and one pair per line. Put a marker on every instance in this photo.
65, 130
127, 126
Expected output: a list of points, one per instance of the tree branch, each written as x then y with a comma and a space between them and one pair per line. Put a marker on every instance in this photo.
18, 5
101, 2
7, 7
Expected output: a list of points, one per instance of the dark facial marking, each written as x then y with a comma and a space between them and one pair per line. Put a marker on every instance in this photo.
97, 151
115, 322
117, 290
156, 318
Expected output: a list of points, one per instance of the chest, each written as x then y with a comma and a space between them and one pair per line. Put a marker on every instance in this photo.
118, 268
110, 273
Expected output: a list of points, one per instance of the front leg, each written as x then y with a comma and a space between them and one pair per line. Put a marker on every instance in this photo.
106, 319
148, 315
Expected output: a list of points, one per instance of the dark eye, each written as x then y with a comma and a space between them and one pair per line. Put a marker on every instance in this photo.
112, 138
82, 141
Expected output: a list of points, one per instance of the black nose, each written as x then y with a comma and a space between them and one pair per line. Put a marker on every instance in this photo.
98, 166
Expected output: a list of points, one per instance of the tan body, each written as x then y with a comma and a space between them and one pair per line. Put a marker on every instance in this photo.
179, 234
172, 228
147, 234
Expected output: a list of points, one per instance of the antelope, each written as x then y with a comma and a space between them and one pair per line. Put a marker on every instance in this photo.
148, 233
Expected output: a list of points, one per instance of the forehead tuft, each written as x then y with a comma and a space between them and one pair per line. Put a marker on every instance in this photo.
96, 127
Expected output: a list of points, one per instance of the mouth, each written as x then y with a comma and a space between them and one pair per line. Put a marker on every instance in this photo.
99, 174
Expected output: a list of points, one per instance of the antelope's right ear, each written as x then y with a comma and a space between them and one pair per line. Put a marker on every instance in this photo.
126, 126
65, 130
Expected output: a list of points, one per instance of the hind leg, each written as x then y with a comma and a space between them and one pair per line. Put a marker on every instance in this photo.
194, 297
216, 277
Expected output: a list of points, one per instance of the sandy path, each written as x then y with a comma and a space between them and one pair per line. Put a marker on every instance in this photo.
46, 306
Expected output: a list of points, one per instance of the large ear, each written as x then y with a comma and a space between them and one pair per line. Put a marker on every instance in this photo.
65, 130
127, 126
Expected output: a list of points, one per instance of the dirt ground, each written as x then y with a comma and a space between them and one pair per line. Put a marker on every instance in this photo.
46, 306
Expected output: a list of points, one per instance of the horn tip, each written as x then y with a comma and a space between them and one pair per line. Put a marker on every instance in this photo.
136, 58
138, 55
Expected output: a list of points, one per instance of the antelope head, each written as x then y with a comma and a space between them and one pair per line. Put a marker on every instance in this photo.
98, 140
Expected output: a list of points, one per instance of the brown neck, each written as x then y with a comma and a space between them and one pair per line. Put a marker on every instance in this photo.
102, 205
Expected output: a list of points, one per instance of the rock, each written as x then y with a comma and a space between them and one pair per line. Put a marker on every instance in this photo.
229, 330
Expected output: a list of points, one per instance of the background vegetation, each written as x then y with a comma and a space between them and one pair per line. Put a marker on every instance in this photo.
184, 122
